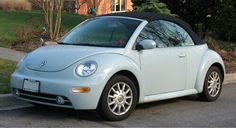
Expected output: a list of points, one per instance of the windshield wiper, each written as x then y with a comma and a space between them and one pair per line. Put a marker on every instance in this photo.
83, 44
63, 43
87, 44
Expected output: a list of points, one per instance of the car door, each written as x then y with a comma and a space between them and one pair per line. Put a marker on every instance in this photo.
164, 68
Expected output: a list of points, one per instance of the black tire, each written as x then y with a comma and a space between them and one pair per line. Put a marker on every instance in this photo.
105, 110
207, 94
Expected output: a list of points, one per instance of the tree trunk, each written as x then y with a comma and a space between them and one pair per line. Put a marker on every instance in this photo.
46, 15
53, 26
58, 20
52, 3
45, 8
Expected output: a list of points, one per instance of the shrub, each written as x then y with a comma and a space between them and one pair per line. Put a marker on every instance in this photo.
36, 4
28, 37
154, 6
226, 50
226, 53
10, 5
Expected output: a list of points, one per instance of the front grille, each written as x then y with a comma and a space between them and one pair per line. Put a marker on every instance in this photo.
43, 98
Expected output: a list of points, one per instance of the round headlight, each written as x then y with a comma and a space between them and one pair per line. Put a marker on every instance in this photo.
86, 69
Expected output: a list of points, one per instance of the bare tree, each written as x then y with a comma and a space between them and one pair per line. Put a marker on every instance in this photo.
49, 7
58, 19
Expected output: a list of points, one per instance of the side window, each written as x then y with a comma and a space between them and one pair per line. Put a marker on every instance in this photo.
166, 34
152, 31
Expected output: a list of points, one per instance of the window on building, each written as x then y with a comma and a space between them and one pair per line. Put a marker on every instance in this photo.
118, 5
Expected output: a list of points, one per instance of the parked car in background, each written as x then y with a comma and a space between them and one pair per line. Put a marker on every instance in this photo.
113, 62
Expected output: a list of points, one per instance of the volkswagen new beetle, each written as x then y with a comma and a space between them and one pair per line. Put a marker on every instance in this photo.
113, 62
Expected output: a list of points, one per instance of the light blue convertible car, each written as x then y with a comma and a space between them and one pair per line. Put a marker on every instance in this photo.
113, 62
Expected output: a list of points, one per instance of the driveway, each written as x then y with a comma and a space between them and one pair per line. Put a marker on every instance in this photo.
186, 111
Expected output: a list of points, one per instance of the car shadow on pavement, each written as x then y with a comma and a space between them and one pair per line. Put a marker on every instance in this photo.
54, 113
79, 115
69, 113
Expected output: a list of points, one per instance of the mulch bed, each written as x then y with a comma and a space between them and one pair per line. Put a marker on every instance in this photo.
27, 47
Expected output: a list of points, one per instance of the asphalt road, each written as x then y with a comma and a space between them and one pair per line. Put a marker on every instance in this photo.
180, 112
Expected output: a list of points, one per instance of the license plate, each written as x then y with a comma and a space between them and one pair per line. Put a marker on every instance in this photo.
31, 85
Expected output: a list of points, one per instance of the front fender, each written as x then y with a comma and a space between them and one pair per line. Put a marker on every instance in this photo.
209, 58
111, 63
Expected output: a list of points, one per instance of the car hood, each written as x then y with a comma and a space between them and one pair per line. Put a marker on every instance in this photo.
58, 57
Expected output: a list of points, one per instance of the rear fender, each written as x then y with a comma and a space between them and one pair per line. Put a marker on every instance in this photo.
209, 58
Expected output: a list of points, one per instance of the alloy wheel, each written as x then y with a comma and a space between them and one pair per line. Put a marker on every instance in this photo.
213, 84
120, 98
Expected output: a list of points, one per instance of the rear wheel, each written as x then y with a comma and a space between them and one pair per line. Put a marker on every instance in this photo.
118, 99
212, 85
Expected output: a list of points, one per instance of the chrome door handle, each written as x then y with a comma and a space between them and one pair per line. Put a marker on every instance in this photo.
182, 55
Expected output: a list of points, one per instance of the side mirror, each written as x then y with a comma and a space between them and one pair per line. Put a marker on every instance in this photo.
146, 44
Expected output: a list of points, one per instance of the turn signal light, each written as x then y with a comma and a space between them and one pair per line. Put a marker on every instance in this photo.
80, 89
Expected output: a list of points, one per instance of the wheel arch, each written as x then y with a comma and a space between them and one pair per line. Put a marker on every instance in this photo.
218, 65
210, 58
131, 76
122, 65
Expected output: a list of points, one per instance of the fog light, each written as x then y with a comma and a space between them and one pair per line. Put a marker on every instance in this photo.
17, 92
60, 100
80, 89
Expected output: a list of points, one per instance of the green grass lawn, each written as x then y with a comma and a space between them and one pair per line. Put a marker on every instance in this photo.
11, 21
7, 67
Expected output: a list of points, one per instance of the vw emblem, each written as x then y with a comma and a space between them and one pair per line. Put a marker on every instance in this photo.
43, 63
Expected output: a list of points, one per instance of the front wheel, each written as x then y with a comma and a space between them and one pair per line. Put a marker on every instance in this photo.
118, 99
212, 85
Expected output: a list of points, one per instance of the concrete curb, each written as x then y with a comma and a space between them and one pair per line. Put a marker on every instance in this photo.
5, 95
230, 78
9, 108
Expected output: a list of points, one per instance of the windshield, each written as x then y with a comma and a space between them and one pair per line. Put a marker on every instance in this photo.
102, 32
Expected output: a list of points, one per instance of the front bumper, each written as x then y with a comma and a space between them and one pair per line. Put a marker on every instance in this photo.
53, 84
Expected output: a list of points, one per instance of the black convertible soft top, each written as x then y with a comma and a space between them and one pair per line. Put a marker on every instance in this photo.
150, 16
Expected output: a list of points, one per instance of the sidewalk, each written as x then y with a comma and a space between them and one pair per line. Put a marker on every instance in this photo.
9, 54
